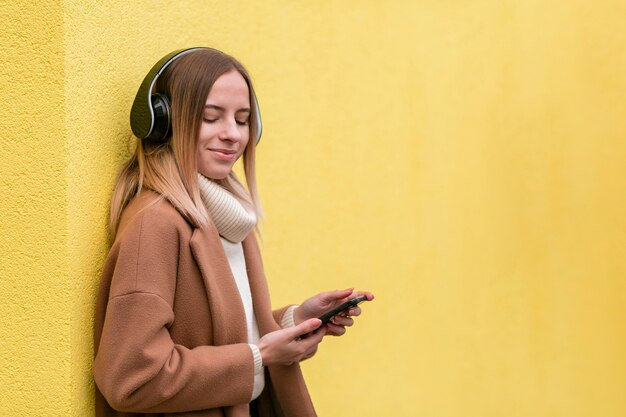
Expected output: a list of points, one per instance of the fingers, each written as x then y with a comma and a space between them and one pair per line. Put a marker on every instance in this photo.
353, 312
321, 303
335, 330
340, 320
367, 294
308, 345
337, 325
335, 295
304, 328
286, 346
340, 296
348, 293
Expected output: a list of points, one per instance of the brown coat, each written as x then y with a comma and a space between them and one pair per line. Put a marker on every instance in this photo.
170, 329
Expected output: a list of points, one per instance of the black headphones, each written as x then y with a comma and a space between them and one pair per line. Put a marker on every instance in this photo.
151, 114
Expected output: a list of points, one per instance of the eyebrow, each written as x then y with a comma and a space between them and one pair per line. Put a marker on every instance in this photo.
213, 106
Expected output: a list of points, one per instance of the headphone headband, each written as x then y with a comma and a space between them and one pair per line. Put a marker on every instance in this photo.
143, 121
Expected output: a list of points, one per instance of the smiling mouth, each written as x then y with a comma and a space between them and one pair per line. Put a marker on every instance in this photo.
226, 155
224, 151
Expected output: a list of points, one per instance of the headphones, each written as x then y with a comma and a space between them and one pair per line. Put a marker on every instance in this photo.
151, 114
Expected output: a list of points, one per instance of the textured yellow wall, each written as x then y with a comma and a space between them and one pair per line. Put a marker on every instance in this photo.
463, 160
34, 331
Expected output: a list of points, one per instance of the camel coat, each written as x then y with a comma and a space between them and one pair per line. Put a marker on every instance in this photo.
170, 329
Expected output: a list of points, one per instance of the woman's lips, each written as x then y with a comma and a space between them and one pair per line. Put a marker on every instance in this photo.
224, 154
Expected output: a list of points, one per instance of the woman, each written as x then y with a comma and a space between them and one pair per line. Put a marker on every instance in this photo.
183, 322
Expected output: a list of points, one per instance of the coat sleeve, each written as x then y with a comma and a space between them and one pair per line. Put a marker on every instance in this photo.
138, 368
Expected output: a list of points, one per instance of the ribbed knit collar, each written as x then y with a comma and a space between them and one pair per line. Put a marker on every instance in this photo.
232, 220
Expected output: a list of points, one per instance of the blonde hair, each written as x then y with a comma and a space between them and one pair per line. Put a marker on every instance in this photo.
169, 168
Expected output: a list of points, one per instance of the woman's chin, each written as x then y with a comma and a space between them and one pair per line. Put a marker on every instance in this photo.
215, 175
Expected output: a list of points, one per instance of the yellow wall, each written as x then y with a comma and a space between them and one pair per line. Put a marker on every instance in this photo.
463, 160
34, 325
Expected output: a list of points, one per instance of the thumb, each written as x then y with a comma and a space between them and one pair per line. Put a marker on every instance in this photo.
337, 294
305, 327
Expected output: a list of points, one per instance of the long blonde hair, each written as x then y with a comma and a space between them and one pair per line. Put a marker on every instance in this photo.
169, 168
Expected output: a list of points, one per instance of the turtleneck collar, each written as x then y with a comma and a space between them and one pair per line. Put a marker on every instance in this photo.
232, 220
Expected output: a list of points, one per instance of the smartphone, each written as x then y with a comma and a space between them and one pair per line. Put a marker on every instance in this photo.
343, 307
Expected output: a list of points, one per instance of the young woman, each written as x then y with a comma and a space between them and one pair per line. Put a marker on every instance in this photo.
184, 324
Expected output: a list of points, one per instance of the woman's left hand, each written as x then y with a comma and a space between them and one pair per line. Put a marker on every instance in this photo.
321, 303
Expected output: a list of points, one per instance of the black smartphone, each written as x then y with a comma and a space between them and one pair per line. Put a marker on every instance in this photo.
343, 307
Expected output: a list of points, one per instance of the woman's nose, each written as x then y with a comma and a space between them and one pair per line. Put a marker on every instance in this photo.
230, 131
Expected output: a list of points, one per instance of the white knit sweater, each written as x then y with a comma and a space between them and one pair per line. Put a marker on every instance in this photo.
234, 223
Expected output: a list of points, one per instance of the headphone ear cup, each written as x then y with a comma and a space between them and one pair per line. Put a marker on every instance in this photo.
162, 118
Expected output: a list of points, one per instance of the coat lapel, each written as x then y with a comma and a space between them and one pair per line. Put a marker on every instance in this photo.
287, 380
228, 317
258, 286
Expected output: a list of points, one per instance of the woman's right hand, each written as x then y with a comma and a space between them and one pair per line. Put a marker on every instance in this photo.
293, 344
